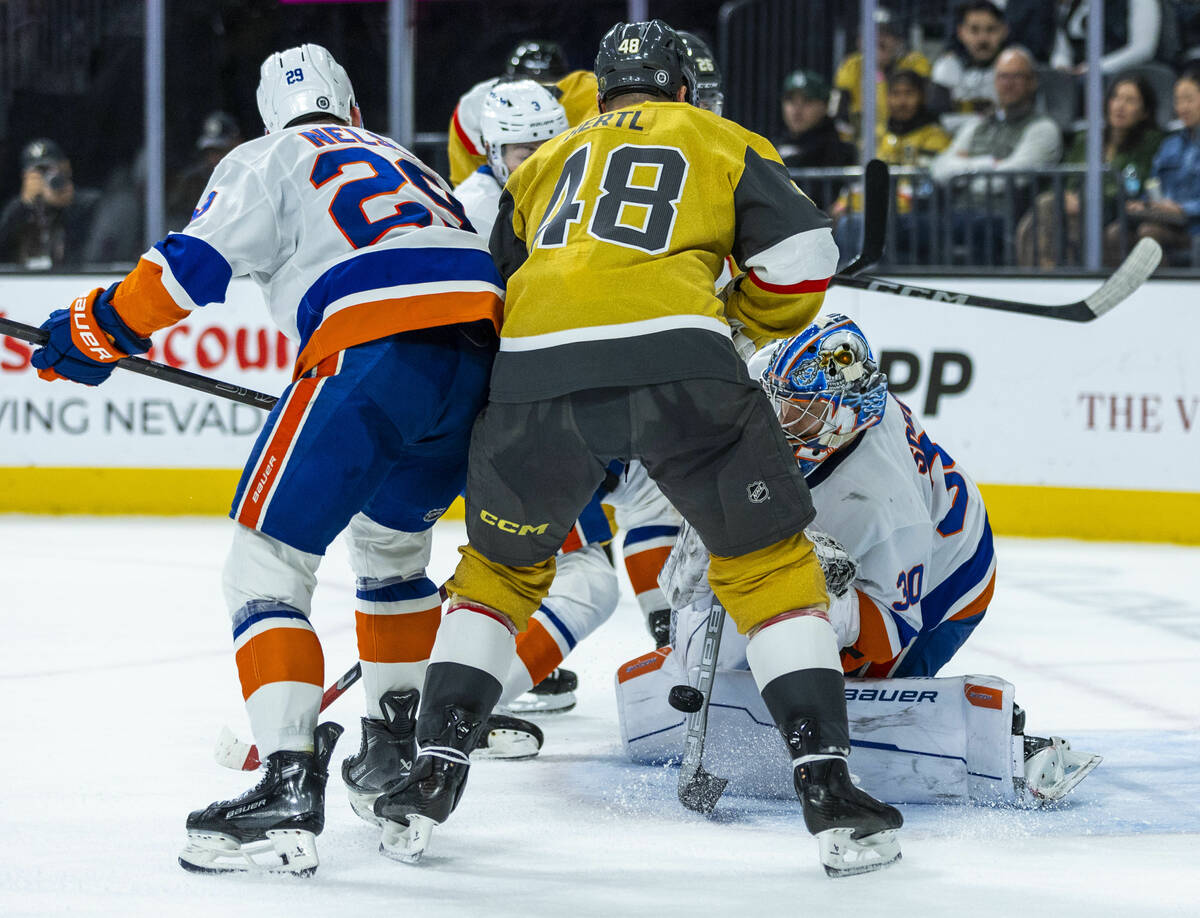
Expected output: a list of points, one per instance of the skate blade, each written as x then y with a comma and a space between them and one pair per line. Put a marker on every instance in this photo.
288, 851
541, 704
507, 744
363, 805
1076, 767
842, 855
406, 843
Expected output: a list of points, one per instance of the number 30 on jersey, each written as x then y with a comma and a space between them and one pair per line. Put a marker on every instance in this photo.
636, 203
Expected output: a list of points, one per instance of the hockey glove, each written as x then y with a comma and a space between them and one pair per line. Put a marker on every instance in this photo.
86, 341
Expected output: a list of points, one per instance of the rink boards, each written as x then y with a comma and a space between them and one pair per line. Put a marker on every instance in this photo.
1082, 430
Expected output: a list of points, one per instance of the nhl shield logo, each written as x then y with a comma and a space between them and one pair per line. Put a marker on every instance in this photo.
757, 492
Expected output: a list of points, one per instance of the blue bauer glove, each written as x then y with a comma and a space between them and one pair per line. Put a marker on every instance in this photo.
86, 341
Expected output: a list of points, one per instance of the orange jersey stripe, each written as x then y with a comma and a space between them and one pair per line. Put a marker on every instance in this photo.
538, 651
142, 301
405, 638
644, 567
270, 463
380, 318
978, 604
280, 655
873, 641
573, 541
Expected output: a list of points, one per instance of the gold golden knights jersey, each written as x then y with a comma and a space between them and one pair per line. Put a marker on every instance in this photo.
576, 92
612, 235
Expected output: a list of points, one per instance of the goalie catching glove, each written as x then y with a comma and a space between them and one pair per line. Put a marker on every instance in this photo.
86, 340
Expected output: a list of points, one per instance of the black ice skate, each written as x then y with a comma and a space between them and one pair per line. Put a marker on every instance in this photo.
273, 826
553, 695
855, 832
385, 755
432, 790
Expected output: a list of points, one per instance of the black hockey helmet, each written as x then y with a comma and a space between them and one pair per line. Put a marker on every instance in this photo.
710, 84
643, 57
543, 61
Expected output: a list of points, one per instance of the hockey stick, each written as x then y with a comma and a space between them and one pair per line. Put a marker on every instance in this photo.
877, 194
205, 384
699, 790
1132, 273
239, 755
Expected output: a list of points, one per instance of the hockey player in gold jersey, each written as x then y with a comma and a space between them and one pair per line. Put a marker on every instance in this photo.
615, 346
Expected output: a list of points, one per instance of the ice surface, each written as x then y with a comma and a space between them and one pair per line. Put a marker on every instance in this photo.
117, 675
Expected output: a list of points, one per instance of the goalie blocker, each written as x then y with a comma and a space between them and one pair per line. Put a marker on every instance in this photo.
914, 740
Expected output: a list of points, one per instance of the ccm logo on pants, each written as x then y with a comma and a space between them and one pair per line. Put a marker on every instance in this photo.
509, 526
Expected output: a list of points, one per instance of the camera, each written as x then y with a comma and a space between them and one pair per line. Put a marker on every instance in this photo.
55, 178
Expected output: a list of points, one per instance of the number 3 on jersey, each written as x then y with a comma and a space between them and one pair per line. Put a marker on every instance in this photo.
639, 189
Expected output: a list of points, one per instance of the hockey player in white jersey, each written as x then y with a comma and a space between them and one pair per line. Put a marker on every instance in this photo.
517, 118
367, 261
910, 580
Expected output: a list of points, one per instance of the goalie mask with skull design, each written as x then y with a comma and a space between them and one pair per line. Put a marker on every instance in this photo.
826, 386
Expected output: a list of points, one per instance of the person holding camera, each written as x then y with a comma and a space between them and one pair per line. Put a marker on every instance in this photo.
44, 226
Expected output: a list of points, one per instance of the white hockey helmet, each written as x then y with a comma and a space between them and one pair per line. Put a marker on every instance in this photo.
303, 81
521, 111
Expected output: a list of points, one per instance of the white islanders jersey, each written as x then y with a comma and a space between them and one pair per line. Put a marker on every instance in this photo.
350, 237
917, 528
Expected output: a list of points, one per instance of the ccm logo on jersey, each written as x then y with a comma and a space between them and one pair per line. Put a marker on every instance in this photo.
93, 343
857, 694
509, 526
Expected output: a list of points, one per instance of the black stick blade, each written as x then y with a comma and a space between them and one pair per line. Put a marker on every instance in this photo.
877, 195
701, 793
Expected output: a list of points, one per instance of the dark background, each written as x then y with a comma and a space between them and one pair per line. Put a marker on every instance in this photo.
75, 72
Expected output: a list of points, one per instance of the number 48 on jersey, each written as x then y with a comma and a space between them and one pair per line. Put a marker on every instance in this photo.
636, 203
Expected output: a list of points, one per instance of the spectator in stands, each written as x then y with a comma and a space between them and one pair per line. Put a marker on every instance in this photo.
218, 135
1012, 138
912, 137
913, 134
964, 77
891, 55
810, 139
1131, 33
46, 224
1170, 208
1130, 139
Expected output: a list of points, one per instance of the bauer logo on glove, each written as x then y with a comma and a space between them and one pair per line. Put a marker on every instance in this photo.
84, 332
86, 341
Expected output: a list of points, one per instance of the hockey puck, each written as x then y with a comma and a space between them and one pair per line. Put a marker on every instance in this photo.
686, 699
